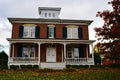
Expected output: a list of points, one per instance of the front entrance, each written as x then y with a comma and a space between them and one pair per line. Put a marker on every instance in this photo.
51, 54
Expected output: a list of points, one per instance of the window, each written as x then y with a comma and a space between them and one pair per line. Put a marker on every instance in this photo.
49, 14
45, 14
25, 32
73, 52
29, 32
72, 33
76, 52
69, 52
51, 31
53, 14
32, 51
25, 52
28, 51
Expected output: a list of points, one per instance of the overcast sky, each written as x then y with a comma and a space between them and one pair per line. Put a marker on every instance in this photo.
71, 9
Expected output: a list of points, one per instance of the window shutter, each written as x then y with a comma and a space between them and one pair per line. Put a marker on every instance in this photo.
19, 52
81, 52
80, 33
21, 28
47, 32
54, 32
37, 32
64, 32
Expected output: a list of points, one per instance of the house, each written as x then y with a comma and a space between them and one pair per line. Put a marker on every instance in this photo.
50, 42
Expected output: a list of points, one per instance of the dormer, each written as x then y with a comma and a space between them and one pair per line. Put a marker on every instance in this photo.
49, 12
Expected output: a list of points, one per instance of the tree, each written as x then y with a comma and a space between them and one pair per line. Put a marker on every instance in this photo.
109, 34
3, 58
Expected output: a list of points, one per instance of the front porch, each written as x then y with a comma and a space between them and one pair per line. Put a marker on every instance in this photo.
64, 52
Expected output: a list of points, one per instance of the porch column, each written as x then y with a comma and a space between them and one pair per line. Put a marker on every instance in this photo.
39, 54
9, 54
92, 53
65, 52
87, 52
12, 50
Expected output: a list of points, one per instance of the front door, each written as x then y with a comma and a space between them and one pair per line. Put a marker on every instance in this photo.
51, 54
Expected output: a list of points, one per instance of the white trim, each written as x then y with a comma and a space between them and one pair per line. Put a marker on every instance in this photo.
61, 41
64, 52
39, 44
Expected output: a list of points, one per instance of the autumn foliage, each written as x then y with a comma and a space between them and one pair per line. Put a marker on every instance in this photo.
109, 34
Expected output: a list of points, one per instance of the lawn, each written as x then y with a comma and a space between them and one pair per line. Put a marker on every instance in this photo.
69, 74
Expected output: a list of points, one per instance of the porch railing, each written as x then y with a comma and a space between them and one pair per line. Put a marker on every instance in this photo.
21, 60
79, 61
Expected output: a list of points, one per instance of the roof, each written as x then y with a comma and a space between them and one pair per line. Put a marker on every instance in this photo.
50, 21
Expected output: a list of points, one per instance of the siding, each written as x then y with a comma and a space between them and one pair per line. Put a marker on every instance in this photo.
43, 30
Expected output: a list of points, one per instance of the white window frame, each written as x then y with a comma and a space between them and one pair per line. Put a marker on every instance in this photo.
51, 31
72, 32
71, 51
29, 32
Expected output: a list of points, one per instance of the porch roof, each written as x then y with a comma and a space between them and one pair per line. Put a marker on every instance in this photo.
67, 41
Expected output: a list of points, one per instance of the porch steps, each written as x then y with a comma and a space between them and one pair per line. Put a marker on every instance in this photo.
53, 65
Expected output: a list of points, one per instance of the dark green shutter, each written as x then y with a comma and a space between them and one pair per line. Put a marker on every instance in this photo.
64, 32
54, 32
19, 52
80, 33
21, 28
81, 52
37, 32
47, 32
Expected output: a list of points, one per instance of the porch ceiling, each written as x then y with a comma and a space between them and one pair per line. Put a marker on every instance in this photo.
67, 41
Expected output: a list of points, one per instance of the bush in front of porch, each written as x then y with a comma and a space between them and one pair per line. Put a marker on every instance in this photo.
3, 60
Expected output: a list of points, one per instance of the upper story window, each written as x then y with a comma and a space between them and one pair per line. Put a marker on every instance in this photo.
29, 31
51, 31
53, 14
72, 32
49, 14
45, 14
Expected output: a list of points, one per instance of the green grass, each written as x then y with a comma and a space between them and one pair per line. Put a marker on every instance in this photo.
77, 74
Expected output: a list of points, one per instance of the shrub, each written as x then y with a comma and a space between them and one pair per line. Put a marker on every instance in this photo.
114, 65
14, 67
35, 67
69, 70
3, 67
26, 66
3, 58
77, 66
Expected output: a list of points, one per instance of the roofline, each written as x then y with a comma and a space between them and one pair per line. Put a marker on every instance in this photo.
52, 41
50, 8
53, 21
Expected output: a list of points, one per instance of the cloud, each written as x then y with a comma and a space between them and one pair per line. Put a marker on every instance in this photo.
71, 9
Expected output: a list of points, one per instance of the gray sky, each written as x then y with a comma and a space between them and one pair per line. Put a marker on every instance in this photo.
71, 9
